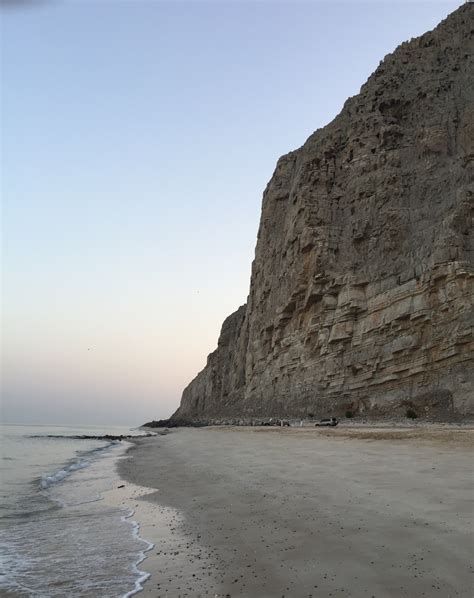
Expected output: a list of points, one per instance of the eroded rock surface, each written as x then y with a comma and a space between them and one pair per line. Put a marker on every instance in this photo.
361, 289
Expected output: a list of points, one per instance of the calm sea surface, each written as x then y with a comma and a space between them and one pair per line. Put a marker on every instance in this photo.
57, 537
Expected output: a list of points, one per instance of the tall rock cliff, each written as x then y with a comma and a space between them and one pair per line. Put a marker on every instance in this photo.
361, 289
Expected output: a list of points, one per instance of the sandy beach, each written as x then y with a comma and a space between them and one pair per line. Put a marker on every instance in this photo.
269, 512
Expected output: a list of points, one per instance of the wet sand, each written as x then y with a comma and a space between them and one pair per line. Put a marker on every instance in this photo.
292, 512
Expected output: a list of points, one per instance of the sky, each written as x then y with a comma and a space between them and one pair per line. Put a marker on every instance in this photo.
137, 139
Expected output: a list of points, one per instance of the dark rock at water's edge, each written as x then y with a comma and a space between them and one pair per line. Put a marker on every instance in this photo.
110, 437
160, 423
421, 417
361, 289
199, 423
173, 423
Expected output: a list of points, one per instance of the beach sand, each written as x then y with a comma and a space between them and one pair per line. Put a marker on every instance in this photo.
300, 512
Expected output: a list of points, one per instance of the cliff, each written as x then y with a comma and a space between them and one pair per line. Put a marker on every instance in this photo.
361, 288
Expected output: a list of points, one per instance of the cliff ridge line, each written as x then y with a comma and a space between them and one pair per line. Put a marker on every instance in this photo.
362, 284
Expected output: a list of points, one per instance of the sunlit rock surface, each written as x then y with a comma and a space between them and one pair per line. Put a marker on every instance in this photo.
362, 283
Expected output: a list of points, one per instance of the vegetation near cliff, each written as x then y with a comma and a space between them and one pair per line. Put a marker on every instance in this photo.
361, 289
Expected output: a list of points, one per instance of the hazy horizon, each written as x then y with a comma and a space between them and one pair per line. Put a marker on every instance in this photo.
137, 141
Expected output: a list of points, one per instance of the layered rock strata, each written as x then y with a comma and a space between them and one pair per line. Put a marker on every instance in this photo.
362, 284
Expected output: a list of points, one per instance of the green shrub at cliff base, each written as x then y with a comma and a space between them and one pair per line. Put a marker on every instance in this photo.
411, 414
349, 414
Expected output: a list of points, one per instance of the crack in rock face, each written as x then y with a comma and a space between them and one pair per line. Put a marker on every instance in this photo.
361, 288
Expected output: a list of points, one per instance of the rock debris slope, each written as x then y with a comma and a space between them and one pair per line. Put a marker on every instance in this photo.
361, 288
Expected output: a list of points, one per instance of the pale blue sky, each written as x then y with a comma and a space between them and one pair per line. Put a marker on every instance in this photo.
137, 140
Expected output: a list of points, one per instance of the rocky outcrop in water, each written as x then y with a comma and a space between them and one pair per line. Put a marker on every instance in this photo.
361, 287
109, 437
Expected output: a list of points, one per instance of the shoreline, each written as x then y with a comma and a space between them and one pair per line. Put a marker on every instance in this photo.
171, 550
137, 516
296, 512
55, 510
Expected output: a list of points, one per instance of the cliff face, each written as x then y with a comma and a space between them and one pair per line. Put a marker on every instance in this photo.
361, 287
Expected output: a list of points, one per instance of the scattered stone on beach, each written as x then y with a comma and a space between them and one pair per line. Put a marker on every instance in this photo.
291, 512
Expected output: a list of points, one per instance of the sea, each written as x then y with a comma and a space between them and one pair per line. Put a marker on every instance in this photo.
57, 535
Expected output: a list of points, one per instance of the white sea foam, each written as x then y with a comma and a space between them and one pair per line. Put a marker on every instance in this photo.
106, 537
142, 575
48, 480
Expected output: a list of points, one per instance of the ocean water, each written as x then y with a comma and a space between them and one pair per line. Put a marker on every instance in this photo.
57, 536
